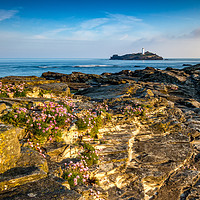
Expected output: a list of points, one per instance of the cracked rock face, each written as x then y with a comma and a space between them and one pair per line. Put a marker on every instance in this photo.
141, 158
151, 156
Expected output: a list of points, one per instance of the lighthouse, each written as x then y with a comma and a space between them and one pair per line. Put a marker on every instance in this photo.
143, 51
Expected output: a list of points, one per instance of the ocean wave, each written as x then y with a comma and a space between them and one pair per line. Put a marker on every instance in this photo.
78, 66
45, 67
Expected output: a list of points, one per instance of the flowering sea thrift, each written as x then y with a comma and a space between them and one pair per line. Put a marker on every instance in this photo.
133, 110
44, 123
8, 90
76, 173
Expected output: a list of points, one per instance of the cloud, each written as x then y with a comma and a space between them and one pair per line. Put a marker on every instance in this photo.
49, 34
40, 37
56, 31
170, 47
110, 19
191, 34
124, 18
7, 14
195, 33
98, 37
124, 37
110, 27
93, 23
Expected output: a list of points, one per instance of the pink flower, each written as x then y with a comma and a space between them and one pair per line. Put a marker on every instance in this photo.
75, 181
43, 155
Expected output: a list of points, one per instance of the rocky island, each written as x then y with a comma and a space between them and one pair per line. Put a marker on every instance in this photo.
137, 56
114, 136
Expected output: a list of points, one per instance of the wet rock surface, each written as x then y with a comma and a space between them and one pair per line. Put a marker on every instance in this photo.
154, 155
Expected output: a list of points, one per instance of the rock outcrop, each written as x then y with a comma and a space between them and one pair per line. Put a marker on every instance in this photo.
149, 149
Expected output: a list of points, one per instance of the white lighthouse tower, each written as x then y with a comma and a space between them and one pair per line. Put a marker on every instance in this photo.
143, 51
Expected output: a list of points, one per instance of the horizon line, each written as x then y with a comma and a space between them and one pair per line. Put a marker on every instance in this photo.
164, 58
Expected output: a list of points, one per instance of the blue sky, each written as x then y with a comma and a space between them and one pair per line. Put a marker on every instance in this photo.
98, 29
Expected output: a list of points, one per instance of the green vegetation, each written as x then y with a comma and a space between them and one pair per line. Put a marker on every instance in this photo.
89, 154
11, 90
136, 110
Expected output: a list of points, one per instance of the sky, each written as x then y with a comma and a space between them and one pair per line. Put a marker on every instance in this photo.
99, 28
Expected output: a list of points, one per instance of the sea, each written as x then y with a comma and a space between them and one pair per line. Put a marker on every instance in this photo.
35, 67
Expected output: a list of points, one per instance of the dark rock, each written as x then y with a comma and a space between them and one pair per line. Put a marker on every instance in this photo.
153, 75
56, 88
192, 69
46, 188
31, 166
106, 74
125, 72
189, 103
180, 186
53, 75
150, 68
169, 68
187, 65
144, 93
105, 92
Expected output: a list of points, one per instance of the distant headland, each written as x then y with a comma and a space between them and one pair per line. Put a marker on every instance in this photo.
137, 56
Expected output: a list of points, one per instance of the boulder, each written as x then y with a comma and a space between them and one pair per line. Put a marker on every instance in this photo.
56, 150
106, 92
144, 93
46, 188
191, 69
34, 93
53, 75
31, 157
56, 88
31, 166
9, 147
2, 107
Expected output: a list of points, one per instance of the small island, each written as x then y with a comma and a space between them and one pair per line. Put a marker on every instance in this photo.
137, 56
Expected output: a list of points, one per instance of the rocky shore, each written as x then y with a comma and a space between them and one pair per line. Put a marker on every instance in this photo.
115, 136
